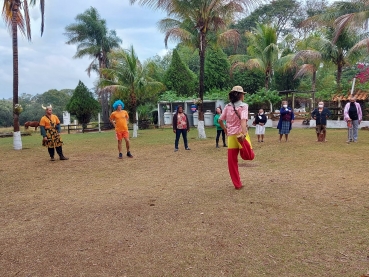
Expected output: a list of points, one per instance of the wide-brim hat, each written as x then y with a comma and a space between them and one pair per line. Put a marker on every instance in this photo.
238, 89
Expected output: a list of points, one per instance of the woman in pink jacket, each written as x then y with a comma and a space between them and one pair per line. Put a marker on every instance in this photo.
236, 115
353, 116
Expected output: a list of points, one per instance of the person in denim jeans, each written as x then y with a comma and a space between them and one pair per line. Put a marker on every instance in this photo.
353, 116
180, 126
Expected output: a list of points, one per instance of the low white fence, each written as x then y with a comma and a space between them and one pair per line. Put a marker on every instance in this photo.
339, 124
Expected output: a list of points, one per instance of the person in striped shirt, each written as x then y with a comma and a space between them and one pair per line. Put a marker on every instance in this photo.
236, 115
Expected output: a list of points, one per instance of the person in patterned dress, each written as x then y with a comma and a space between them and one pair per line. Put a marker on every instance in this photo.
180, 127
50, 131
286, 119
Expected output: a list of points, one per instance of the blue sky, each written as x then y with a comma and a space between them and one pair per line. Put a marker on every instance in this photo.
47, 62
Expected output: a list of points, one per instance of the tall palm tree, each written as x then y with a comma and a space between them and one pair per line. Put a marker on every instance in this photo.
15, 19
337, 41
352, 14
126, 75
95, 41
308, 62
205, 18
263, 51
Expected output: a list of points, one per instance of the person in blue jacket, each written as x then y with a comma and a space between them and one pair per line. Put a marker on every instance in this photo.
286, 119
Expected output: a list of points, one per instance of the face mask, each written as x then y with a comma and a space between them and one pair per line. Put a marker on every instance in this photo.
320, 106
284, 106
261, 113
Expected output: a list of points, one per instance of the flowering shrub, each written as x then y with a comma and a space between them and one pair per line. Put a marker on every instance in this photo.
363, 75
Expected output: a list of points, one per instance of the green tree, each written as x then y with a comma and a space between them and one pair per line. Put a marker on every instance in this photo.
127, 78
250, 80
263, 52
279, 13
32, 104
158, 65
350, 14
179, 77
6, 111
262, 96
338, 48
94, 40
196, 23
216, 69
83, 105
18, 21
189, 56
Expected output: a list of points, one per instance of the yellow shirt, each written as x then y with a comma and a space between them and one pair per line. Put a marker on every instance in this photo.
121, 120
46, 122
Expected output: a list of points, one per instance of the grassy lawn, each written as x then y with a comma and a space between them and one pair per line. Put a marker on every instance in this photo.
304, 210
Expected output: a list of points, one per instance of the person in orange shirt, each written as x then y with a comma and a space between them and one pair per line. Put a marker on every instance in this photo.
119, 118
50, 131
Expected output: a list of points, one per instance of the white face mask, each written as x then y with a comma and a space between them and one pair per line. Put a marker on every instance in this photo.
261, 113
284, 106
320, 106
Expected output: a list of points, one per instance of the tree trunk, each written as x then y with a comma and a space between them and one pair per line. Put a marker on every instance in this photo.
17, 141
133, 106
200, 127
313, 89
339, 74
266, 81
104, 94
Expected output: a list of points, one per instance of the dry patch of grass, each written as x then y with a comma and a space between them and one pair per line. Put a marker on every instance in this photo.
303, 212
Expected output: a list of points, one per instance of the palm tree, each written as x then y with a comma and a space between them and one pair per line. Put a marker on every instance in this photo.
336, 42
263, 51
352, 14
15, 20
126, 75
308, 62
202, 18
340, 52
93, 40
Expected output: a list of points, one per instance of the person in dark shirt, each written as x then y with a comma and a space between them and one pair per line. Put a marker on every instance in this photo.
260, 121
320, 115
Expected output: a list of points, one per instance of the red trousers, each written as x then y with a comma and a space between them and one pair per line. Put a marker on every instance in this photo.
246, 153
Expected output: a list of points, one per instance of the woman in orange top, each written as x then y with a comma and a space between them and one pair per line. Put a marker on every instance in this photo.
50, 131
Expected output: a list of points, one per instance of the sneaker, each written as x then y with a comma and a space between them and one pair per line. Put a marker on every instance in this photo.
188, 148
120, 156
129, 155
62, 158
175, 149
52, 159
